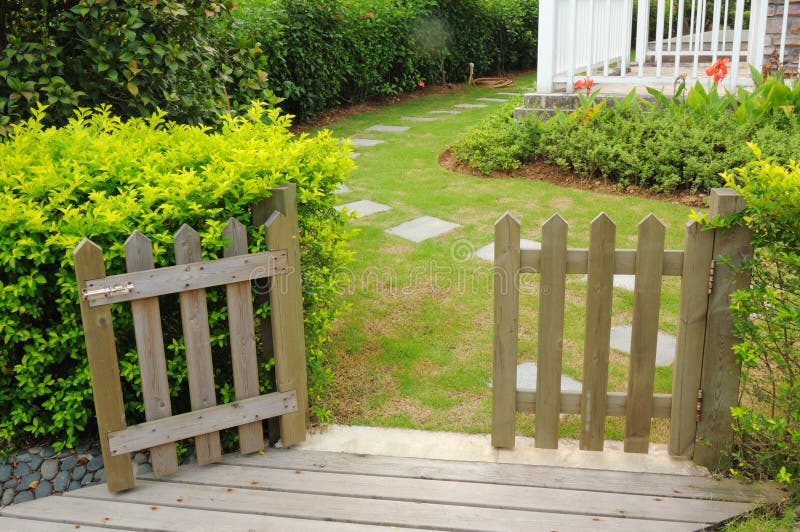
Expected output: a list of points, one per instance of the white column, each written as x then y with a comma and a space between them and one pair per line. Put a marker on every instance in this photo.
643, 20
546, 46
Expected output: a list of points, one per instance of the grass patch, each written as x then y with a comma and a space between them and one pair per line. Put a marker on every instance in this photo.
415, 349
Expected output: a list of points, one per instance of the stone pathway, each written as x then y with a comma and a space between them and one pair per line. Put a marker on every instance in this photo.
422, 228
365, 143
498, 100
526, 379
355, 155
363, 208
665, 350
510, 93
342, 189
419, 119
445, 112
388, 129
470, 105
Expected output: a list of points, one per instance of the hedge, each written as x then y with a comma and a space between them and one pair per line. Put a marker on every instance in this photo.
102, 177
198, 60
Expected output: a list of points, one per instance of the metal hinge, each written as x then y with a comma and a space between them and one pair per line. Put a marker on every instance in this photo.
107, 291
711, 276
698, 406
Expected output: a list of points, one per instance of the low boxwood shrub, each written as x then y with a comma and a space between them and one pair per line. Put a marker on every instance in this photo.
102, 177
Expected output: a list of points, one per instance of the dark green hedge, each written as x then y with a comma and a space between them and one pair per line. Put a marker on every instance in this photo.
197, 60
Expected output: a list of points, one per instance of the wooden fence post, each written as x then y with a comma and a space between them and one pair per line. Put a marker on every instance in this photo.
553, 281
506, 317
284, 201
286, 307
152, 360
721, 370
697, 248
101, 350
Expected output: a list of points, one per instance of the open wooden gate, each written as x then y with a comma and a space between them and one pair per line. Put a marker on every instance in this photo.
189, 278
706, 374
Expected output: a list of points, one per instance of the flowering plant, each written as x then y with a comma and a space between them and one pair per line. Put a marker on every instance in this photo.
719, 69
584, 84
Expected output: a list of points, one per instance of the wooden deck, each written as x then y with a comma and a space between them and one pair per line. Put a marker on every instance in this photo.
289, 490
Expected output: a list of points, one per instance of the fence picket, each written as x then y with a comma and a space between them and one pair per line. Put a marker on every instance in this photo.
150, 347
551, 331
647, 290
101, 351
196, 336
243, 340
506, 318
286, 304
599, 295
698, 245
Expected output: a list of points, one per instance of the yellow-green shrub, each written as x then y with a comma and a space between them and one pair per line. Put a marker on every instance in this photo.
102, 177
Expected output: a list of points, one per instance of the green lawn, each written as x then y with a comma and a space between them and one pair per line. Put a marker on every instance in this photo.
415, 347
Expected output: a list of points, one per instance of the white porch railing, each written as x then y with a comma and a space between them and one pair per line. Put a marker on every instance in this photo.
596, 38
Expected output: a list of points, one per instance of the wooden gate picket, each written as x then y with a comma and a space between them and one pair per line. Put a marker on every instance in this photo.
189, 278
703, 358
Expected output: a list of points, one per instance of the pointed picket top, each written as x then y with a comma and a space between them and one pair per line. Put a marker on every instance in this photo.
236, 234
651, 223
507, 218
86, 249
275, 227
187, 245
603, 220
555, 221
138, 252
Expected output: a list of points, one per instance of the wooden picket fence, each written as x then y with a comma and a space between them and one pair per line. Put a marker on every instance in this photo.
141, 286
706, 375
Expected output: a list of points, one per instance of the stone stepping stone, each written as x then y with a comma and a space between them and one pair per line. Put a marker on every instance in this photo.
471, 105
665, 345
510, 93
444, 112
363, 207
388, 129
365, 143
487, 251
341, 188
498, 100
355, 155
526, 379
422, 228
419, 119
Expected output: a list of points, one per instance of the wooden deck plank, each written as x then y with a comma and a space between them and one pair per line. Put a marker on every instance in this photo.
514, 474
53, 512
465, 493
12, 524
365, 510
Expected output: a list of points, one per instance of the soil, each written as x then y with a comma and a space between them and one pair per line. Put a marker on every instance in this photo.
542, 171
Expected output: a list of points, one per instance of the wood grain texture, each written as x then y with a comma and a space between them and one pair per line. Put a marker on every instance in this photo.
572, 403
466, 493
599, 295
101, 351
196, 337
653, 484
551, 331
190, 276
93, 514
375, 511
644, 335
698, 246
241, 324
286, 304
199, 422
624, 261
150, 348
721, 370
506, 318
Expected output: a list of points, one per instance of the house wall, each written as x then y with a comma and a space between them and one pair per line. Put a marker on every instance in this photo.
791, 54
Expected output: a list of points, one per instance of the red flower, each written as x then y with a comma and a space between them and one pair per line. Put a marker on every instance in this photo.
719, 69
585, 83
421, 83
370, 15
